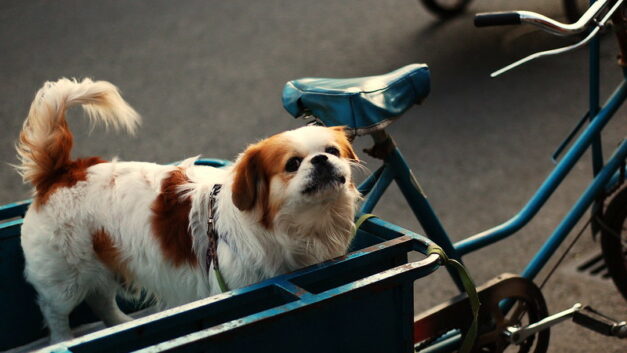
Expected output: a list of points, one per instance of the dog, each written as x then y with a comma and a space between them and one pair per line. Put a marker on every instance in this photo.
96, 228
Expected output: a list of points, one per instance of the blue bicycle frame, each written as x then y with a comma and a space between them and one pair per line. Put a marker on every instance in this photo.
396, 169
606, 176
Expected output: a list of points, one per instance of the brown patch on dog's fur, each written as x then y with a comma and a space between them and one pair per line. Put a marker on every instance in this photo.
54, 167
170, 220
253, 173
346, 149
111, 257
64, 177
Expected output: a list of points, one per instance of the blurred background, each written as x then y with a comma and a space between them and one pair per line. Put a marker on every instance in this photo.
207, 76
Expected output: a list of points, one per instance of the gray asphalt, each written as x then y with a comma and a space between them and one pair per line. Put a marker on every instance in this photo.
206, 76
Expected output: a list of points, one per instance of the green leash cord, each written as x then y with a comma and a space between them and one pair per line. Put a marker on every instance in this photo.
467, 282
470, 289
221, 281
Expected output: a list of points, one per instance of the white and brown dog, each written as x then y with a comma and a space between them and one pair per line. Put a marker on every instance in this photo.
97, 227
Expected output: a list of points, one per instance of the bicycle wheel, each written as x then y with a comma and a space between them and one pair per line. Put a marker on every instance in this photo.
614, 240
446, 8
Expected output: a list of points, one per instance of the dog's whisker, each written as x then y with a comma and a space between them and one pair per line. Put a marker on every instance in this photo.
361, 167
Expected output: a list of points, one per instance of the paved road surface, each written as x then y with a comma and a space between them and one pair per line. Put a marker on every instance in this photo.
207, 77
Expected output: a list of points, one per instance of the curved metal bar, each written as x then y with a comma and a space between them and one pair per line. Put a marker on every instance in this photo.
558, 28
384, 178
391, 231
546, 53
551, 183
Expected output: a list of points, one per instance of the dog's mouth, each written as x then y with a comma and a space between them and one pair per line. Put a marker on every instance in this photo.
324, 180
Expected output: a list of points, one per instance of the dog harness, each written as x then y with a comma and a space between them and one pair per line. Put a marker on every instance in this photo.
213, 237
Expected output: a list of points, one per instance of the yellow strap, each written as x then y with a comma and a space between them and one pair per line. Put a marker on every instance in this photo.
470, 288
467, 282
361, 221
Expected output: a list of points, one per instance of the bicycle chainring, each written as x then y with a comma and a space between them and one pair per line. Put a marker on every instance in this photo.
507, 290
527, 306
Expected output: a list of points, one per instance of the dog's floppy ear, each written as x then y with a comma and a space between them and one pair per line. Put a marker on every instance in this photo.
342, 139
249, 182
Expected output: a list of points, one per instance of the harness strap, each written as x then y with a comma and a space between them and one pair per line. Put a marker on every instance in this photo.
213, 237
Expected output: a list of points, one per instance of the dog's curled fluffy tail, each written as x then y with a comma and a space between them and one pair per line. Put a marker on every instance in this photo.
45, 142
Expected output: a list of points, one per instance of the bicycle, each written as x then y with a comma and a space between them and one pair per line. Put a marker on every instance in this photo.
310, 98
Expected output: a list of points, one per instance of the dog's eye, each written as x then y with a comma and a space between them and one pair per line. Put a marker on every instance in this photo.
332, 150
293, 164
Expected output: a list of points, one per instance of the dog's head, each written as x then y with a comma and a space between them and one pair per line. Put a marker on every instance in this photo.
294, 170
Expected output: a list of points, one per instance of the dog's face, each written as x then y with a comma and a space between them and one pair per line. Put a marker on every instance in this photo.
294, 169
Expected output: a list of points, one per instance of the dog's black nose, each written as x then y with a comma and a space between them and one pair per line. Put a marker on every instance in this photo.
319, 159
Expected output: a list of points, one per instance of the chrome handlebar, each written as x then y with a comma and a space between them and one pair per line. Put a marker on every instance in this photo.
561, 29
592, 15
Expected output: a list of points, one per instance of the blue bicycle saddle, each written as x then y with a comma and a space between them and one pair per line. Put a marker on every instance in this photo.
363, 104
